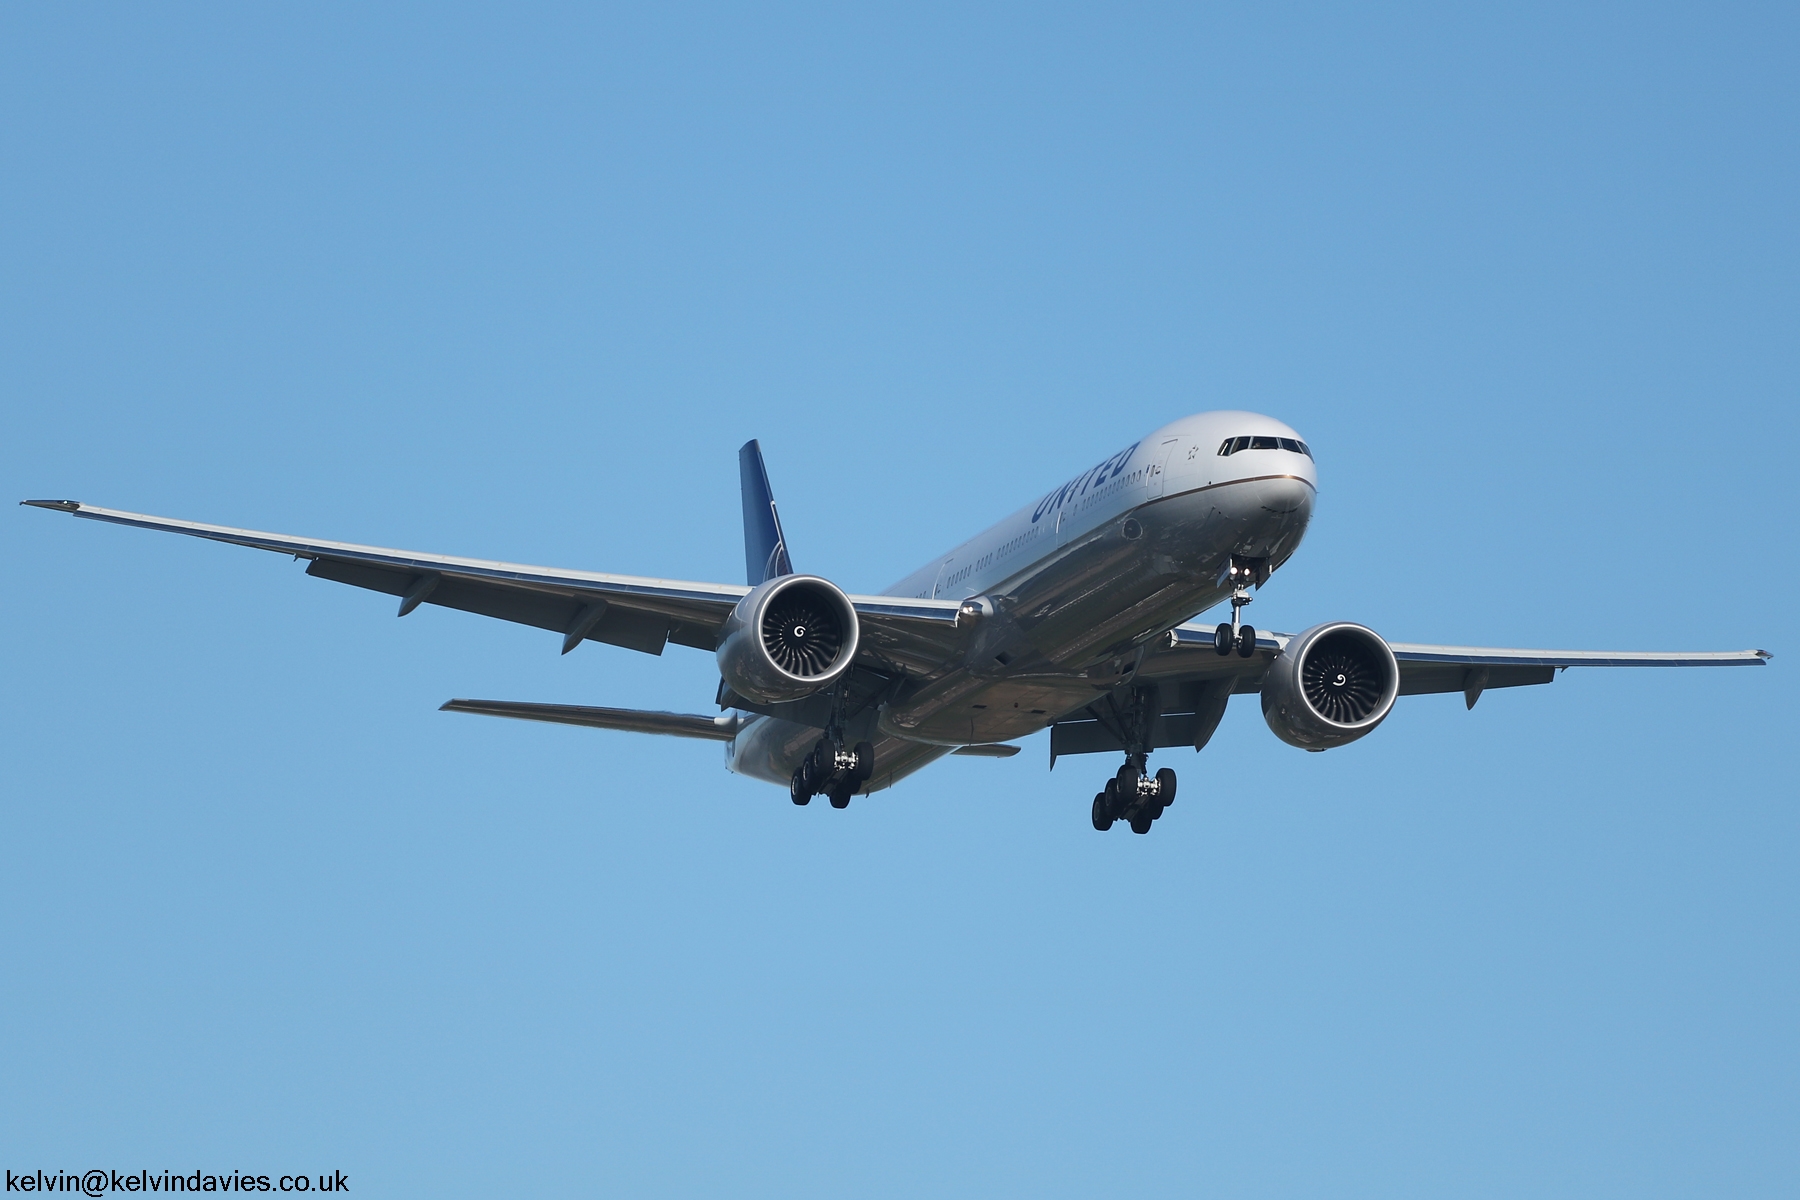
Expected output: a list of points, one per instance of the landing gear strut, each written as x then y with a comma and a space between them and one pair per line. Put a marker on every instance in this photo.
1238, 636
1134, 795
831, 768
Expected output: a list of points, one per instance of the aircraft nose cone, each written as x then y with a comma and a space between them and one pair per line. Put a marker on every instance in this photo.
1283, 497
1268, 514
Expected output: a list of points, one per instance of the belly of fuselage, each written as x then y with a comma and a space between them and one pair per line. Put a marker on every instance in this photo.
769, 748
1073, 629
1064, 633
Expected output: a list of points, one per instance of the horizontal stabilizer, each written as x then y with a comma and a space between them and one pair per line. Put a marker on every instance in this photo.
633, 720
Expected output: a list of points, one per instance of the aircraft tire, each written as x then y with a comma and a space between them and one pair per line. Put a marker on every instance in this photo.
797, 790
1103, 818
865, 761
1141, 823
1165, 787
1246, 641
840, 797
1222, 639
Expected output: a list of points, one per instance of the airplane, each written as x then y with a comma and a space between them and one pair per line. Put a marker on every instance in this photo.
1074, 614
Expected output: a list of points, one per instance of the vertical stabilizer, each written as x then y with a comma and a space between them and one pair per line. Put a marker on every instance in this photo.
765, 549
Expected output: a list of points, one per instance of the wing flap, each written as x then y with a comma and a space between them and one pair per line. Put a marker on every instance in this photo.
1097, 737
1421, 679
987, 750
632, 628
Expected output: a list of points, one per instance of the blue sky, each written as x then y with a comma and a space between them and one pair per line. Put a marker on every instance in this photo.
516, 283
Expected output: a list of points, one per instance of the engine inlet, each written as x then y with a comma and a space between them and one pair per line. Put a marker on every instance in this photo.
801, 633
1344, 678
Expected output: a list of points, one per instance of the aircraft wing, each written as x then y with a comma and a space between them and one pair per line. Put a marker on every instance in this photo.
1195, 681
1472, 669
1189, 656
1189, 653
633, 611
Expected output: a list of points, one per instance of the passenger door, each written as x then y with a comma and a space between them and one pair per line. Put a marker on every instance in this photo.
1159, 467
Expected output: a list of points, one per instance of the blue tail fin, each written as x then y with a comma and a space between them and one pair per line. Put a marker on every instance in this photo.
765, 549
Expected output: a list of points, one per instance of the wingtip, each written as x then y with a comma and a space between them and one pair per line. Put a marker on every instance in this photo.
58, 505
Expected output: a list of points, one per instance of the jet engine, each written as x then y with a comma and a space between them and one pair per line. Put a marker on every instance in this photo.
1329, 686
790, 637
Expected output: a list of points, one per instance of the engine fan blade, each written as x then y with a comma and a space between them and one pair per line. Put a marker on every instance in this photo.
802, 637
1342, 687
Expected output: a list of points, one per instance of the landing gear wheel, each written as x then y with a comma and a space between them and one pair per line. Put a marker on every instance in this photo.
798, 791
840, 797
865, 761
1141, 823
1103, 818
1223, 639
1246, 641
1126, 780
1165, 787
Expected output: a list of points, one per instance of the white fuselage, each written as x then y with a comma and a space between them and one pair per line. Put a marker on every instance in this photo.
1065, 594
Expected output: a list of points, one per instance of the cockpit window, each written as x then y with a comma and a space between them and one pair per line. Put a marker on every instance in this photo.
1233, 445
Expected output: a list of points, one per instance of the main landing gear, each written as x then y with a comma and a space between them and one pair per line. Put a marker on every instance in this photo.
1135, 796
832, 771
831, 768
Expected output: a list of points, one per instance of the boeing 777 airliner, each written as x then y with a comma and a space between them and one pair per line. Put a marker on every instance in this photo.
1072, 614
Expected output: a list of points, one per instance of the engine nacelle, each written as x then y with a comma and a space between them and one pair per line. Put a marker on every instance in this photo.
790, 637
1329, 686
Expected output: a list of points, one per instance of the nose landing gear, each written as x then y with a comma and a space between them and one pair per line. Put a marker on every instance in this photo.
1241, 574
